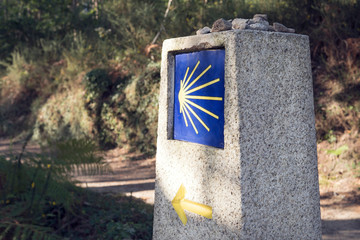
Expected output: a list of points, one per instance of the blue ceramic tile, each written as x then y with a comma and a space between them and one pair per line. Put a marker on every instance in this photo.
199, 97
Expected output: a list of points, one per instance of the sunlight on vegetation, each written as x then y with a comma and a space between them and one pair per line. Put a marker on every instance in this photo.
338, 151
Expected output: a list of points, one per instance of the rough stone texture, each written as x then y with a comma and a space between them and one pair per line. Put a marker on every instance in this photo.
264, 183
259, 22
239, 23
221, 25
291, 30
264, 26
263, 16
203, 30
278, 27
271, 28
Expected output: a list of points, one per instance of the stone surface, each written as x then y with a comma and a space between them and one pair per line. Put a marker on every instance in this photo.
278, 27
271, 28
259, 22
262, 16
264, 183
259, 26
203, 30
221, 25
291, 30
239, 23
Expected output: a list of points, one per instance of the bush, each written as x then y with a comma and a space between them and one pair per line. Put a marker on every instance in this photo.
63, 116
97, 82
130, 113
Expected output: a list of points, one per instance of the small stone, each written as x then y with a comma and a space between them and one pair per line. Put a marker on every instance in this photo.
259, 26
257, 20
278, 27
221, 25
239, 23
204, 30
291, 30
271, 29
263, 16
258, 23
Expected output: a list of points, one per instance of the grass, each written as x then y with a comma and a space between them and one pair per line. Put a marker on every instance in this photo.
117, 217
38, 200
98, 216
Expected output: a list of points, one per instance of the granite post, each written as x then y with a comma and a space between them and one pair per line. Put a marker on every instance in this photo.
262, 180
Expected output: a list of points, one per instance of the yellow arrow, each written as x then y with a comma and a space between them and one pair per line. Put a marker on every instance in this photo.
180, 204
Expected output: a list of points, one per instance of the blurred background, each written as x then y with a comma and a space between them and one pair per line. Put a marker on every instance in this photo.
81, 77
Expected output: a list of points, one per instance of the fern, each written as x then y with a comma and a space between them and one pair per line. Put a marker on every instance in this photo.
37, 195
17, 230
77, 156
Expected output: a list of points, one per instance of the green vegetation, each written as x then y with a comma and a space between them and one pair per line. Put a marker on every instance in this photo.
38, 200
90, 69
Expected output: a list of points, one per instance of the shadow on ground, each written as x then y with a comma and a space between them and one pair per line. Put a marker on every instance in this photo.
341, 229
340, 213
138, 187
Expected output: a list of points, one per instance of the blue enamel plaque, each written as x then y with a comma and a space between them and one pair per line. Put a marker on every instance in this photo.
199, 97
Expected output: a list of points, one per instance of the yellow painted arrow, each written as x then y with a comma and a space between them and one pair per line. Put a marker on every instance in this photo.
180, 204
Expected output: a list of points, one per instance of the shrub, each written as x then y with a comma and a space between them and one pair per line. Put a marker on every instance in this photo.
64, 116
130, 113
97, 82
36, 193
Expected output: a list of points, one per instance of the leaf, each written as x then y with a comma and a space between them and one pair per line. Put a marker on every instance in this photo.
3, 234
338, 151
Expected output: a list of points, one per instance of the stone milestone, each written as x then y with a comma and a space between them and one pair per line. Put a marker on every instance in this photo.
261, 181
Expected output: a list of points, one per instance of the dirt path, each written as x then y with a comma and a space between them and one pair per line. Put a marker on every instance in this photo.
340, 214
133, 175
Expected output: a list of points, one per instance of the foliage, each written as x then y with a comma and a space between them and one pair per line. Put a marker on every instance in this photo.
39, 201
130, 113
334, 30
64, 158
97, 82
23, 82
25, 22
63, 116
118, 217
338, 151
133, 24
85, 68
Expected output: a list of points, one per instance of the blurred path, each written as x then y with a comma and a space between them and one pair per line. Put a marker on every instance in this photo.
8, 146
340, 214
135, 175
131, 174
